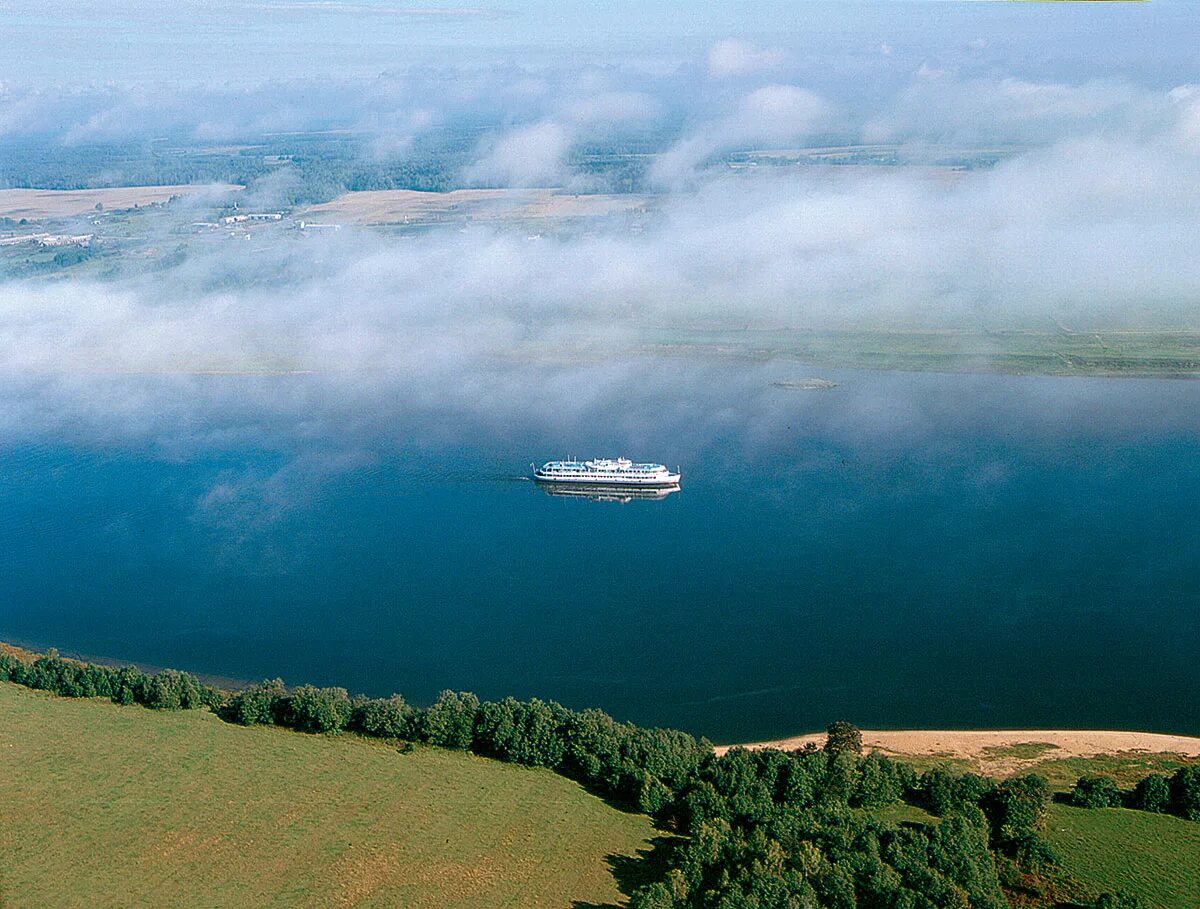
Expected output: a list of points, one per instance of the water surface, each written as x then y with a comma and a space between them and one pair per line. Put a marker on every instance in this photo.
921, 550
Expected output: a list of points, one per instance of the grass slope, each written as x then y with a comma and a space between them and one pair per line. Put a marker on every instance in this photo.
1155, 856
103, 805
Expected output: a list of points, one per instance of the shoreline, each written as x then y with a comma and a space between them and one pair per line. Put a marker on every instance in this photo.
1001, 750
31, 652
995, 751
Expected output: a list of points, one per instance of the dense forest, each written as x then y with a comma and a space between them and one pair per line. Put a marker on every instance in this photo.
751, 829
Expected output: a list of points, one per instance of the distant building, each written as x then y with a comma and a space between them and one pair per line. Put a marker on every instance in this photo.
66, 240
255, 216
22, 238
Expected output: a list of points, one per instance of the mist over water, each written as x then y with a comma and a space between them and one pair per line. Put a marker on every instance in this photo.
903, 550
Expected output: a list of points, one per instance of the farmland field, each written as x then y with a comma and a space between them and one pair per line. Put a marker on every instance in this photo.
403, 205
40, 204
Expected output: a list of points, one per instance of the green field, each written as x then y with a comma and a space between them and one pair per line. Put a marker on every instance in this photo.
1127, 768
1155, 856
1054, 352
103, 805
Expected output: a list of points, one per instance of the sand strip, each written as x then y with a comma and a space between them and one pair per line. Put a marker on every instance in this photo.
985, 748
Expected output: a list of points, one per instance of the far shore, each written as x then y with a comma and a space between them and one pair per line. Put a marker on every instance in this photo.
1002, 750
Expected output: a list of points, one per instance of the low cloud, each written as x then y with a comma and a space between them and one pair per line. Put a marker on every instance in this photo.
1091, 222
771, 115
937, 106
530, 156
1091, 232
536, 154
732, 57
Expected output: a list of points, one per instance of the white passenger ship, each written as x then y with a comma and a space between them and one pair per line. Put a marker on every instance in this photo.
620, 472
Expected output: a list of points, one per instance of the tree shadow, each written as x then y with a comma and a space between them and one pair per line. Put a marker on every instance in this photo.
645, 867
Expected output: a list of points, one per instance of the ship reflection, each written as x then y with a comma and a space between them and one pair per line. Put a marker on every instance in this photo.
607, 493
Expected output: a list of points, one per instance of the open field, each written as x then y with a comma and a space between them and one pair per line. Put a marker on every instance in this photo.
1155, 856
1061, 755
42, 204
400, 206
1163, 355
1062, 352
103, 805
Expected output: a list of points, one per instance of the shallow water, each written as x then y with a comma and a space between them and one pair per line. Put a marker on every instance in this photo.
901, 550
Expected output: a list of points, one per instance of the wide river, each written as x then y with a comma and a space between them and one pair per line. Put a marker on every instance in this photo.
899, 551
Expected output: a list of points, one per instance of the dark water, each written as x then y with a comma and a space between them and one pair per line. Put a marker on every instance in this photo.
899, 551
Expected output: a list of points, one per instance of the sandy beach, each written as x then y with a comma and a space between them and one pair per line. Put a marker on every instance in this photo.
1000, 751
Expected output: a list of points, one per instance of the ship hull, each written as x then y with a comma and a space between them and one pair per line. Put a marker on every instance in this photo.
664, 482
599, 493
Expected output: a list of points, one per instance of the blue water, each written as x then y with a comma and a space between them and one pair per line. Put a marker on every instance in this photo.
940, 551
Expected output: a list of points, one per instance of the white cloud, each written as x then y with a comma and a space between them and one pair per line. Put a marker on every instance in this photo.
732, 57
529, 156
1187, 100
611, 108
771, 115
937, 106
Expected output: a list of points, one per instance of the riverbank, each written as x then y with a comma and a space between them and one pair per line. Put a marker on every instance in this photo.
1145, 352
1000, 752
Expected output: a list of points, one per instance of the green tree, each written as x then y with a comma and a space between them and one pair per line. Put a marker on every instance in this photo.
879, 782
524, 732
1185, 792
259, 704
127, 685
843, 736
1096, 792
841, 778
450, 720
656, 896
171, 690
1118, 901
653, 794
387, 718
1017, 809
1152, 793
312, 709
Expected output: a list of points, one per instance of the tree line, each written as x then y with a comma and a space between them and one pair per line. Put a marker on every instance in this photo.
755, 828
1177, 794
636, 766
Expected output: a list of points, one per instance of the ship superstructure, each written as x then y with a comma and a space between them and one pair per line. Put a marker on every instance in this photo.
606, 472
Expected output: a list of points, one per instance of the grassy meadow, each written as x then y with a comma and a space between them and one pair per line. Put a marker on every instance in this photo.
1155, 856
105, 805
102, 805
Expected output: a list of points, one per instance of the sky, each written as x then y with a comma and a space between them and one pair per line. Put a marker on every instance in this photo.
834, 41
